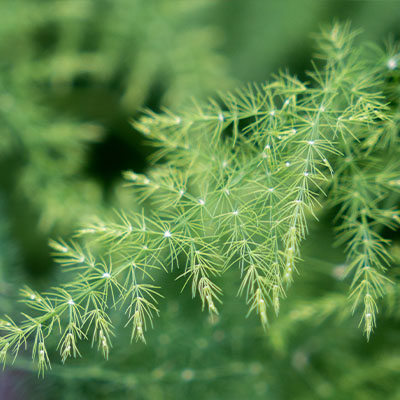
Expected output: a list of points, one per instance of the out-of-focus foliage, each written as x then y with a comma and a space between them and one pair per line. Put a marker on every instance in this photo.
265, 36
51, 49
11, 275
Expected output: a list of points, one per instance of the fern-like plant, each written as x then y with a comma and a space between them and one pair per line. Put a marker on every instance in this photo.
234, 186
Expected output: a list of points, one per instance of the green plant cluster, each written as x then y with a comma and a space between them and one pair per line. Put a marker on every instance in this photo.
236, 185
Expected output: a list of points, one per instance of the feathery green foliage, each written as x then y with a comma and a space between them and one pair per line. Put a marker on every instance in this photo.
235, 184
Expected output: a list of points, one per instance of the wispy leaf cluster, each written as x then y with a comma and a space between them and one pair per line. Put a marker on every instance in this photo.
235, 184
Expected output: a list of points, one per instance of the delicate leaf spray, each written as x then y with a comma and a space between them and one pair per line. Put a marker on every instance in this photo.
235, 184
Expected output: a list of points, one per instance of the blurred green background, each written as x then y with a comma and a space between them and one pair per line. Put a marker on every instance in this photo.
73, 73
